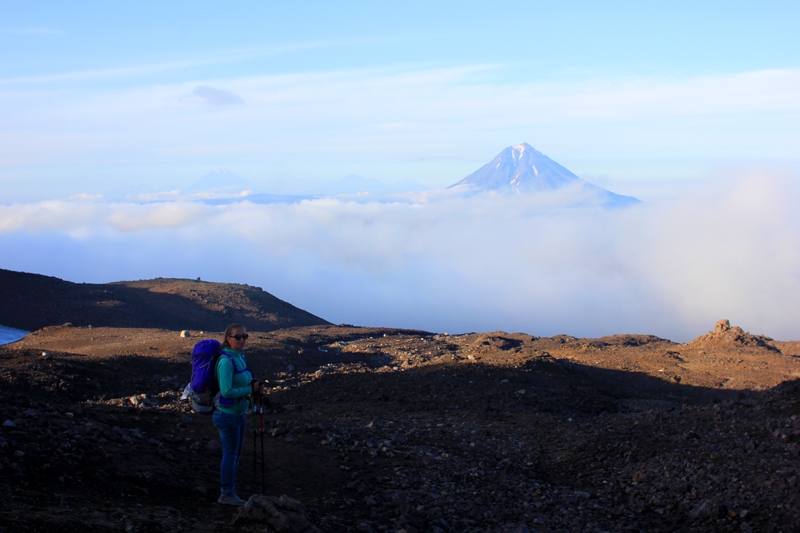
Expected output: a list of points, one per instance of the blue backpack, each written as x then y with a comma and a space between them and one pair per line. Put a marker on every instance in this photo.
204, 388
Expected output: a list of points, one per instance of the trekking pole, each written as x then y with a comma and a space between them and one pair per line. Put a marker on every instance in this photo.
263, 479
255, 478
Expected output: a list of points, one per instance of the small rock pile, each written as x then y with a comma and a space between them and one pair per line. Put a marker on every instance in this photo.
283, 515
725, 333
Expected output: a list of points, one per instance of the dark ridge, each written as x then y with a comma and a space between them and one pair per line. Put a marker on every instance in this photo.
33, 301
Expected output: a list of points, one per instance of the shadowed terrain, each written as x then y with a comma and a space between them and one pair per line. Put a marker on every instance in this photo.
33, 301
380, 429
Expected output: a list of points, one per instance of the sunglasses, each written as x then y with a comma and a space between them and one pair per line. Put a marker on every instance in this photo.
240, 336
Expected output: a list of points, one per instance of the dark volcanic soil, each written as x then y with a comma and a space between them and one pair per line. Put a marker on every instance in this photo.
33, 301
390, 430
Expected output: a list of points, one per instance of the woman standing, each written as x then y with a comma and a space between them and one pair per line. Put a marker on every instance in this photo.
235, 384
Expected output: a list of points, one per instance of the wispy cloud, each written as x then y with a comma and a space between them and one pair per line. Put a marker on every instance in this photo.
344, 116
103, 74
217, 97
32, 31
214, 58
729, 251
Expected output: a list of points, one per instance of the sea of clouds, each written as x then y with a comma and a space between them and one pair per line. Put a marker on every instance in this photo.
728, 250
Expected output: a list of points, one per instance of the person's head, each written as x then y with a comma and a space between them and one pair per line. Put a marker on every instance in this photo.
231, 333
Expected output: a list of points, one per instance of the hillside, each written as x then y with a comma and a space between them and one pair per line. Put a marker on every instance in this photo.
33, 301
383, 430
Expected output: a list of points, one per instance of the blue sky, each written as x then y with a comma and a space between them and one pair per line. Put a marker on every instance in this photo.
690, 106
97, 96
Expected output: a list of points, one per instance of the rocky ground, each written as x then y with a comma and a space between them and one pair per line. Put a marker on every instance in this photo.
393, 430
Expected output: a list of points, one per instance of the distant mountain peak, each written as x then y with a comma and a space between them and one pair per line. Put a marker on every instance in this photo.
522, 169
221, 172
519, 169
220, 179
521, 147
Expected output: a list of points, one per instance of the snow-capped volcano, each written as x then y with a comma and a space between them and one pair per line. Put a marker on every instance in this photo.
521, 169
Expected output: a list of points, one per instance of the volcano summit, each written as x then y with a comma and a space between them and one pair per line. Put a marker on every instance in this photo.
523, 170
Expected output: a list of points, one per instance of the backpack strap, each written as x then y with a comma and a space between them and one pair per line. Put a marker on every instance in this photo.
228, 402
235, 369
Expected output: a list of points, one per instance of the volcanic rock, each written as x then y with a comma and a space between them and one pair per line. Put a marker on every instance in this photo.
282, 514
723, 333
402, 431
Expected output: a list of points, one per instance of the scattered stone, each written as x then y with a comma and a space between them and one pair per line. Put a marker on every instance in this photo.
707, 509
185, 333
284, 514
142, 400
441, 448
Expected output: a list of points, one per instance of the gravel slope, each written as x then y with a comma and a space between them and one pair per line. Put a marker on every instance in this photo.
376, 429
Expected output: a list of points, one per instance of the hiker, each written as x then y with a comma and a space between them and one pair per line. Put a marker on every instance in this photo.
236, 383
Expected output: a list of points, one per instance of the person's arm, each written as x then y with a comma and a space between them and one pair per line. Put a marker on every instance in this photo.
225, 376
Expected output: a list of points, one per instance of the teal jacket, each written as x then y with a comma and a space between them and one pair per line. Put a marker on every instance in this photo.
234, 382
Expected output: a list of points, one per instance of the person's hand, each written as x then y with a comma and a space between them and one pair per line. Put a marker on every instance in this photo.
256, 385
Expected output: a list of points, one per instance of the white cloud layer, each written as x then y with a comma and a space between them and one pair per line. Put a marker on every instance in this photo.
730, 251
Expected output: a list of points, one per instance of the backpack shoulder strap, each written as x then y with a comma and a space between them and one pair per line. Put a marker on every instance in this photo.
235, 368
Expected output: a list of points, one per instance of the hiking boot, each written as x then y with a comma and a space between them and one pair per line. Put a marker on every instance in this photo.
230, 499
